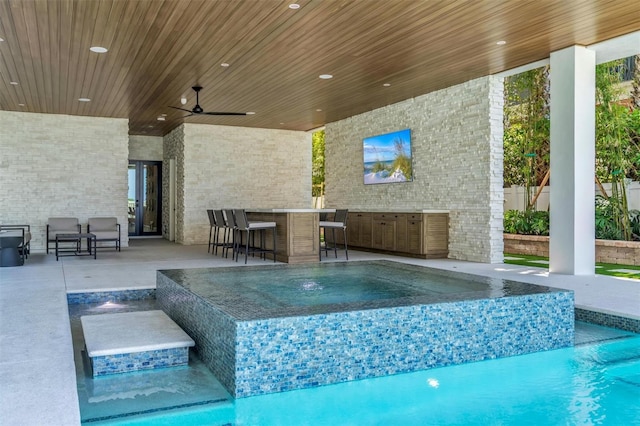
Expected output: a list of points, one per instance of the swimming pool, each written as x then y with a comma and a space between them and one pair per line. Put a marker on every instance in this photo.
596, 382
284, 327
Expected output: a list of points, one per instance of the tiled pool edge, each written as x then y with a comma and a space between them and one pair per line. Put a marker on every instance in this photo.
135, 361
607, 320
110, 296
280, 354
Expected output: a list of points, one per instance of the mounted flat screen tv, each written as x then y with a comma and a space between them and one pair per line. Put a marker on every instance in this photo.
387, 158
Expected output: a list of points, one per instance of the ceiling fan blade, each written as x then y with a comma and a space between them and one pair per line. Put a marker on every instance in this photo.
181, 109
225, 113
188, 115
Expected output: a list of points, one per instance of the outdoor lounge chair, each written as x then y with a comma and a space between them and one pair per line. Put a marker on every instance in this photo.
61, 225
106, 229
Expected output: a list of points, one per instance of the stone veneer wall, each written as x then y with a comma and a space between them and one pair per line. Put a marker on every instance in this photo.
456, 136
173, 148
60, 165
145, 148
233, 167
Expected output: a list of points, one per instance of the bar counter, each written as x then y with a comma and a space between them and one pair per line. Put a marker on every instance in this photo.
297, 236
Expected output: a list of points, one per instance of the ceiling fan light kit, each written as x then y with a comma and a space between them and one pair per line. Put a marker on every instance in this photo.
197, 109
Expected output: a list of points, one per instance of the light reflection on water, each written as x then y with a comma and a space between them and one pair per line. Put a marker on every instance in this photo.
311, 286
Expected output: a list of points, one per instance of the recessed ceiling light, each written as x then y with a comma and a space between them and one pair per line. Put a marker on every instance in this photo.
163, 115
251, 113
1, 39
183, 100
294, 6
98, 49
14, 83
224, 64
387, 84
84, 99
161, 118
150, 126
20, 104
501, 43
325, 76
318, 110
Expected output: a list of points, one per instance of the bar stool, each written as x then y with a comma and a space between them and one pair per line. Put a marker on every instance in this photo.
220, 226
339, 222
230, 237
213, 231
243, 225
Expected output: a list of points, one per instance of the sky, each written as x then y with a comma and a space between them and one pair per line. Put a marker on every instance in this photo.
380, 147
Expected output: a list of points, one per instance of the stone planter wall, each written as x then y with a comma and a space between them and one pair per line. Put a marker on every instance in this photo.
533, 245
607, 251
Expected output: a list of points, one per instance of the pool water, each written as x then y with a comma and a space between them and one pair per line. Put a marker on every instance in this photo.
289, 290
322, 284
595, 382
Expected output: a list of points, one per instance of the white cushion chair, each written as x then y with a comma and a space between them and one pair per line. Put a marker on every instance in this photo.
61, 225
106, 229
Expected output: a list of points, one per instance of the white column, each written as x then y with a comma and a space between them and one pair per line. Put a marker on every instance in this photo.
572, 211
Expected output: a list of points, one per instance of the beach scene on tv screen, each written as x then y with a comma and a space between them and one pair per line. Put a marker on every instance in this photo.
387, 158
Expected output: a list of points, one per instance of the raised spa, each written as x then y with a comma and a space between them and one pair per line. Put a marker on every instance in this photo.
281, 327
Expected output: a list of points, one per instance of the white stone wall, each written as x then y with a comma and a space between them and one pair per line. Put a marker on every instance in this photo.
59, 165
145, 148
456, 136
235, 167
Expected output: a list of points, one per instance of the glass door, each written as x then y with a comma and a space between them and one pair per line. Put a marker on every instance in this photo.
145, 198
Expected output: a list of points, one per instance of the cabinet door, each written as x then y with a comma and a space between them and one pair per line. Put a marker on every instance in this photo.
377, 231
365, 229
414, 235
384, 231
353, 229
401, 232
436, 234
389, 235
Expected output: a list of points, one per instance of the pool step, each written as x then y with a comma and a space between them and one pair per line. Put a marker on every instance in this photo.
132, 341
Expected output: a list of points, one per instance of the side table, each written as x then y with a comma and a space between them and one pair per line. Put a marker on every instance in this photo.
77, 251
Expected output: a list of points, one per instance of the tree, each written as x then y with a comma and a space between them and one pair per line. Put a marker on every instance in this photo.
317, 163
635, 91
526, 130
526, 139
615, 148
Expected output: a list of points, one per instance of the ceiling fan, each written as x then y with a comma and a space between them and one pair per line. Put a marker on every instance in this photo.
197, 110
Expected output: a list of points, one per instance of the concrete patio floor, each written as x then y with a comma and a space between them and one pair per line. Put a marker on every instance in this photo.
37, 372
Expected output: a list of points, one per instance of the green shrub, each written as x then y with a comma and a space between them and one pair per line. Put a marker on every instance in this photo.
529, 222
634, 218
537, 222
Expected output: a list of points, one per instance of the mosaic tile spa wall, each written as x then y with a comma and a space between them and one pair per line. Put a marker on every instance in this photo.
279, 354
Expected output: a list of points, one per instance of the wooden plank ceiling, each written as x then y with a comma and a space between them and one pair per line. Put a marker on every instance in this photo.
158, 49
